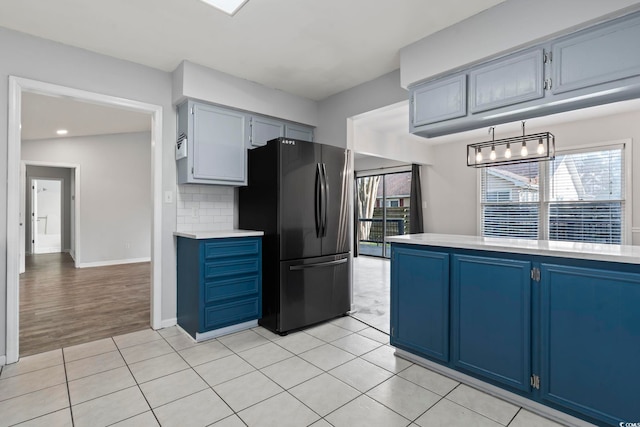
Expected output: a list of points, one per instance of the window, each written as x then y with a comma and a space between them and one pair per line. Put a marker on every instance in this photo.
579, 196
393, 203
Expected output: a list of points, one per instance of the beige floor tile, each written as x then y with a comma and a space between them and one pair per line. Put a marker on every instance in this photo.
146, 419
232, 421
282, 410
326, 356
484, 404
299, 342
136, 338
33, 405
265, 355
321, 423
428, 379
172, 387
328, 332
32, 381
349, 323
170, 331
145, 351
247, 390
199, 409
365, 412
385, 358
101, 384
61, 418
356, 344
324, 393
225, 369
244, 340
525, 418
110, 409
404, 397
375, 335
180, 341
447, 413
157, 367
271, 336
205, 352
88, 349
361, 374
94, 365
32, 363
291, 372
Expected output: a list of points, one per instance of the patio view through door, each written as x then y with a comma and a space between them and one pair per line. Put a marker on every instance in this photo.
382, 210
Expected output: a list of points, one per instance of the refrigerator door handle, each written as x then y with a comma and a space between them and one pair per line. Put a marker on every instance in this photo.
318, 265
318, 201
325, 203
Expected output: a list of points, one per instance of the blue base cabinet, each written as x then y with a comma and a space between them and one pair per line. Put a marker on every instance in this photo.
219, 283
560, 331
420, 302
590, 340
491, 318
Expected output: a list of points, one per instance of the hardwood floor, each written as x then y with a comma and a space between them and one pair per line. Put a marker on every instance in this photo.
62, 306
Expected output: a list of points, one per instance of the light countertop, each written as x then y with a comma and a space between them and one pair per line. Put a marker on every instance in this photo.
218, 234
592, 251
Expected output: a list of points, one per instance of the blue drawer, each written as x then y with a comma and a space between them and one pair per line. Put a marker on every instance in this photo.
230, 288
231, 267
231, 248
219, 316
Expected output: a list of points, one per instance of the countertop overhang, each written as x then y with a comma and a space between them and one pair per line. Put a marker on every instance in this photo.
591, 251
222, 234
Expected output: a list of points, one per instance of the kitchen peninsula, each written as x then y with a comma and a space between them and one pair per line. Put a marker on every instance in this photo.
552, 323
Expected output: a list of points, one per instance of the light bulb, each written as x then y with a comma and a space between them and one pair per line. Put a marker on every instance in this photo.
478, 155
507, 152
492, 155
524, 152
540, 146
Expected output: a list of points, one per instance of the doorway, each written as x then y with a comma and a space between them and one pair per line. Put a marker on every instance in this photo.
46, 215
14, 219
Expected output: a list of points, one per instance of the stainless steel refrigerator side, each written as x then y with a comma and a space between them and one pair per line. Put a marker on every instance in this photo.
338, 223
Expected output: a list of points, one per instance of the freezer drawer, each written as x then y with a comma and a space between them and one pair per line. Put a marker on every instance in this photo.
313, 290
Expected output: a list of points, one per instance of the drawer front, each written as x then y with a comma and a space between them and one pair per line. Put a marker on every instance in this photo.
231, 267
219, 316
230, 288
224, 248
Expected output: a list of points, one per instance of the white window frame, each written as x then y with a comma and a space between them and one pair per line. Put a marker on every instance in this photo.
543, 220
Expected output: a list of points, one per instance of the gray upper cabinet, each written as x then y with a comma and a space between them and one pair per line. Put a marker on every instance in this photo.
597, 55
264, 129
216, 140
507, 81
439, 100
303, 133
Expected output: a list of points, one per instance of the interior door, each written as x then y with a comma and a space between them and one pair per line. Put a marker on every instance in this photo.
22, 217
337, 224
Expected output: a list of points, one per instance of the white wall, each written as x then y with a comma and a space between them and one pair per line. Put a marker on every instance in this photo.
115, 192
56, 173
195, 81
450, 187
408, 148
506, 26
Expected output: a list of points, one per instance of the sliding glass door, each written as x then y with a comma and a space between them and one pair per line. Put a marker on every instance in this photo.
382, 204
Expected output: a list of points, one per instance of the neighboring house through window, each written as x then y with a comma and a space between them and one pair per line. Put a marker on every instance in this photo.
580, 196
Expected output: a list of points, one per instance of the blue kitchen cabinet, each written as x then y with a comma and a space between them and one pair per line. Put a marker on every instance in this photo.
590, 341
420, 302
219, 283
303, 133
491, 318
507, 81
438, 100
264, 129
597, 55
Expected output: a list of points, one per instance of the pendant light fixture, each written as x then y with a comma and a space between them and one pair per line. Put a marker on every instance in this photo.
501, 153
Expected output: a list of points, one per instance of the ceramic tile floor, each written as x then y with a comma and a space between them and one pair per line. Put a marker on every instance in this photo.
371, 291
342, 373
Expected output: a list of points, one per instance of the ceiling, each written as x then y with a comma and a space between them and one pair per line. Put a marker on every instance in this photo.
311, 48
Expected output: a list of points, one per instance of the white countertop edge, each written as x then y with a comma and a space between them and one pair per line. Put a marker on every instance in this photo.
590, 251
223, 234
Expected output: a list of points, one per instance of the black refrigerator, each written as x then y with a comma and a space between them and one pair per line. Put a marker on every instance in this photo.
298, 193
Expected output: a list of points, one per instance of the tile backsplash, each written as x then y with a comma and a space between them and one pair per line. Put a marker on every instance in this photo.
205, 207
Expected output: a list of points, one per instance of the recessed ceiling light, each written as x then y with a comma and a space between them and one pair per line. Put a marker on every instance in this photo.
62, 131
230, 7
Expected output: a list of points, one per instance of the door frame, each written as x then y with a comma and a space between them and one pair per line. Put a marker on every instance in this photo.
75, 168
34, 197
17, 85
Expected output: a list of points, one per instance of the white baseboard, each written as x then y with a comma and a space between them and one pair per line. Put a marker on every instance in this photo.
498, 392
3, 360
113, 262
167, 323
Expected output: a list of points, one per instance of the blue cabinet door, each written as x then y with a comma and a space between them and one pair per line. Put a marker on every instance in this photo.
590, 341
491, 318
263, 130
420, 302
439, 100
303, 133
